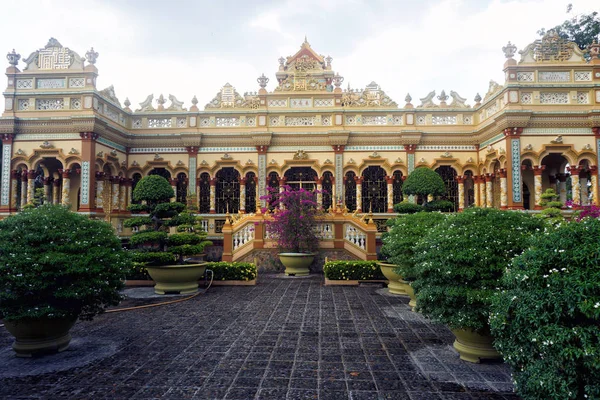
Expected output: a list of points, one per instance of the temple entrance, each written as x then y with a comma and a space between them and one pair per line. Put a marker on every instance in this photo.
301, 177
555, 175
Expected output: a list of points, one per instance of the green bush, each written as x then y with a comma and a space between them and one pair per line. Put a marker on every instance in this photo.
422, 182
407, 208
234, 271
460, 263
153, 188
55, 263
439, 205
546, 321
400, 240
352, 270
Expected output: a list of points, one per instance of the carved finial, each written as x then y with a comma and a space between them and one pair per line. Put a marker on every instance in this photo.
281, 61
262, 81
408, 98
13, 58
509, 50
161, 100
337, 80
328, 60
91, 56
305, 40
477, 98
593, 48
127, 102
443, 97
557, 140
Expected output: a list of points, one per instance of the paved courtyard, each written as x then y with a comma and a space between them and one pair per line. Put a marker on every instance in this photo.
285, 338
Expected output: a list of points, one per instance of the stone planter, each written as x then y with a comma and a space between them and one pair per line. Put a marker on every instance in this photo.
411, 293
181, 279
296, 264
394, 284
474, 347
39, 336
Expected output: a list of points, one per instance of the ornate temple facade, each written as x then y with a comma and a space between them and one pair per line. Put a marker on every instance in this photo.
65, 141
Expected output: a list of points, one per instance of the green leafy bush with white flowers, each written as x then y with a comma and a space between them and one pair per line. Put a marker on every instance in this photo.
232, 271
547, 320
460, 262
353, 270
55, 263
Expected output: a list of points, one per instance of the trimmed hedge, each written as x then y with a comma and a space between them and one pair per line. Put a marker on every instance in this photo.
235, 271
407, 208
353, 270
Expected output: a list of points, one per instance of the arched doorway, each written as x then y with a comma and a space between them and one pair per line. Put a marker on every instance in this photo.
227, 191
301, 177
374, 190
327, 187
251, 192
469, 186
204, 193
556, 176
350, 190
528, 178
181, 188
448, 175
397, 187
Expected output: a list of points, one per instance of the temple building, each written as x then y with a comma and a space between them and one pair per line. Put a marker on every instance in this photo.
64, 141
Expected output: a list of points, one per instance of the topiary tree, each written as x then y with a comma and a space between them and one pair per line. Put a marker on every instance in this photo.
153, 244
423, 182
460, 263
552, 207
406, 207
546, 320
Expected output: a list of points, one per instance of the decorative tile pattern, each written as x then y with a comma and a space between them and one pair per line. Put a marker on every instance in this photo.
425, 147
112, 144
277, 103
421, 120
227, 121
554, 76
159, 123
23, 105
583, 98
111, 114
226, 149
339, 171
410, 158
443, 120
85, 182
204, 122
326, 120
526, 97
299, 121
49, 104
262, 176
491, 110
159, 150
516, 169
75, 104
350, 120
182, 122
397, 120
583, 76
554, 98
76, 82
49, 136
192, 172
301, 103
251, 121
274, 121
50, 83
24, 83
374, 148
467, 120
5, 184
323, 102
136, 123
525, 76
374, 120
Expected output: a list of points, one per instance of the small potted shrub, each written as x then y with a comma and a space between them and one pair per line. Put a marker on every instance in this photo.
293, 224
165, 254
55, 266
399, 243
546, 321
459, 266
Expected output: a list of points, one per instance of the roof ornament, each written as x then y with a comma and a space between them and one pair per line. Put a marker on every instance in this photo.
13, 58
427, 101
328, 60
442, 98
161, 102
91, 56
509, 50
338, 79
594, 49
477, 98
194, 106
127, 103
176, 105
146, 105
262, 81
457, 101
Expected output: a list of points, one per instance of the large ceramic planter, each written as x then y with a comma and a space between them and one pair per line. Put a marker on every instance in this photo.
394, 284
39, 336
181, 279
474, 347
296, 264
411, 293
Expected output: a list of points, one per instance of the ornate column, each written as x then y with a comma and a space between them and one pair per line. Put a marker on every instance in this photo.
122, 194
594, 179
503, 190
66, 187
514, 178
115, 193
31, 185
14, 184
243, 195
359, 181
100, 190
173, 183
338, 186
390, 193
476, 182
482, 191
48, 190
576, 190
262, 174
192, 173
56, 191
24, 176
333, 192
489, 196
5, 178
88, 178
129, 189
319, 184
213, 184
537, 185
410, 163
461, 192
282, 182
560, 183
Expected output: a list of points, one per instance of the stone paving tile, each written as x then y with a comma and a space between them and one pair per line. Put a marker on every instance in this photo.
284, 338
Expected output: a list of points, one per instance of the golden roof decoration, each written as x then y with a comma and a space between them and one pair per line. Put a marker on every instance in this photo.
370, 96
492, 89
109, 94
228, 97
305, 71
54, 56
551, 48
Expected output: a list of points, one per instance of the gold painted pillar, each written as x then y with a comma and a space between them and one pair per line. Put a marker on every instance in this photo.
66, 187
489, 195
537, 185
31, 185
24, 176
114, 180
390, 193
575, 188
243, 195
56, 191
482, 191
213, 184
99, 190
129, 190
461, 192
48, 190
14, 184
503, 190
282, 182
560, 181
594, 193
122, 194
359, 181
476, 191
319, 183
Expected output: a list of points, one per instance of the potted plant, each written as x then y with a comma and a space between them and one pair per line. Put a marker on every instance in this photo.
293, 224
546, 320
459, 266
163, 253
399, 242
56, 266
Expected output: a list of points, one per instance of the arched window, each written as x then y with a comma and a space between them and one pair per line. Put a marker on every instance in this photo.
161, 172
251, 192
227, 191
135, 179
301, 177
397, 187
327, 186
374, 190
273, 184
204, 193
182, 187
448, 175
350, 190
38, 192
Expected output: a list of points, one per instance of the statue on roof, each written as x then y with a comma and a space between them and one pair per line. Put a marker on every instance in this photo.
457, 101
176, 105
427, 101
109, 93
146, 105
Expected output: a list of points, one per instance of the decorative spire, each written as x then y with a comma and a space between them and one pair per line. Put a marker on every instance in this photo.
127, 103
328, 60
262, 81
194, 100
91, 56
161, 102
477, 98
443, 97
13, 58
194, 106
593, 48
408, 98
338, 79
509, 50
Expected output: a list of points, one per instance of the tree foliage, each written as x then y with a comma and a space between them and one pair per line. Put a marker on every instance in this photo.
581, 28
422, 182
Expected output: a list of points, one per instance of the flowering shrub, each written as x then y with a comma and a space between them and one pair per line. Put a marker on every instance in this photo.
590, 211
399, 242
55, 263
460, 262
153, 245
232, 271
353, 270
546, 320
294, 219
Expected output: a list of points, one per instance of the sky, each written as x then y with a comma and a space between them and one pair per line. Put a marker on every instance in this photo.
188, 48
